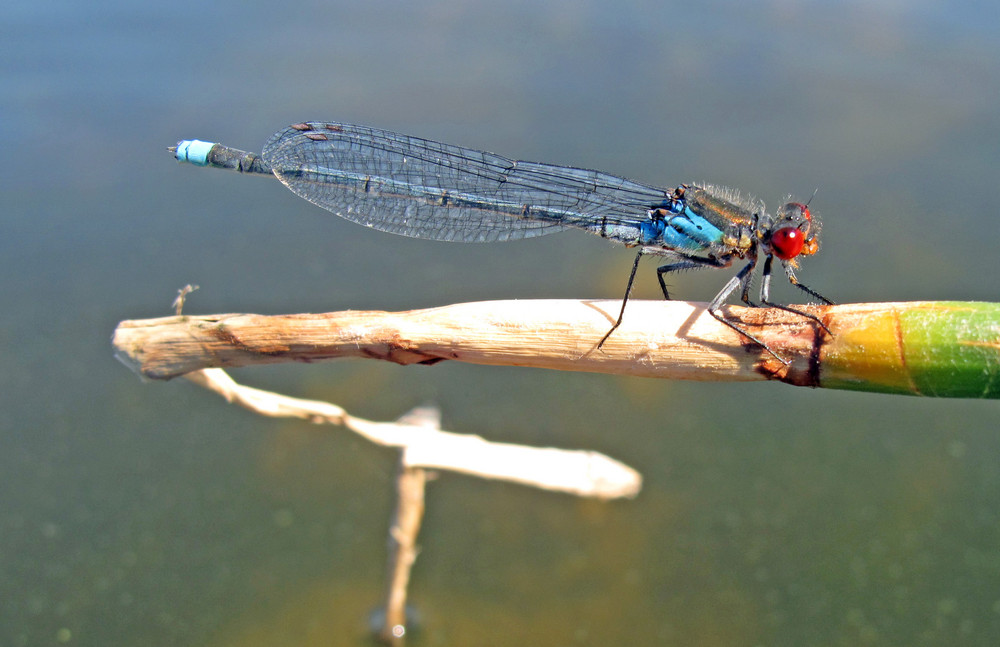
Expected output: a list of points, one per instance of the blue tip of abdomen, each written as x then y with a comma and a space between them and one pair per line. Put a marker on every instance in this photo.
194, 151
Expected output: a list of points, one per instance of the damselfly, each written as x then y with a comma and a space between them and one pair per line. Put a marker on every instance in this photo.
425, 189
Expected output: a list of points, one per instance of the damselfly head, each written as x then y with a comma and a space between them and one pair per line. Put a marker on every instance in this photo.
790, 232
794, 212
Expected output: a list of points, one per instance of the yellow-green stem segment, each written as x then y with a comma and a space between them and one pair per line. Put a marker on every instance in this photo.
940, 349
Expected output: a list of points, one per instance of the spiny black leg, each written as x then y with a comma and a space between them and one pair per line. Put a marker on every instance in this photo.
790, 273
745, 291
667, 269
628, 291
692, 263
660, 271
813, 293
765, 289
720, 298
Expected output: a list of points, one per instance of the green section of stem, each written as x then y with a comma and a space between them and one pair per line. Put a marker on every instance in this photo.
941, 349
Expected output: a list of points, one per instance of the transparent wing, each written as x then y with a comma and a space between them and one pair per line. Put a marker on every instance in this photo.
426, 189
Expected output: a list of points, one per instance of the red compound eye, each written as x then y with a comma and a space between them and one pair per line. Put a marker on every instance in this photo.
787, 242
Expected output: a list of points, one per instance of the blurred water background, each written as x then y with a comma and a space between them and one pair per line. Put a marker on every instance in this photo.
154, 514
